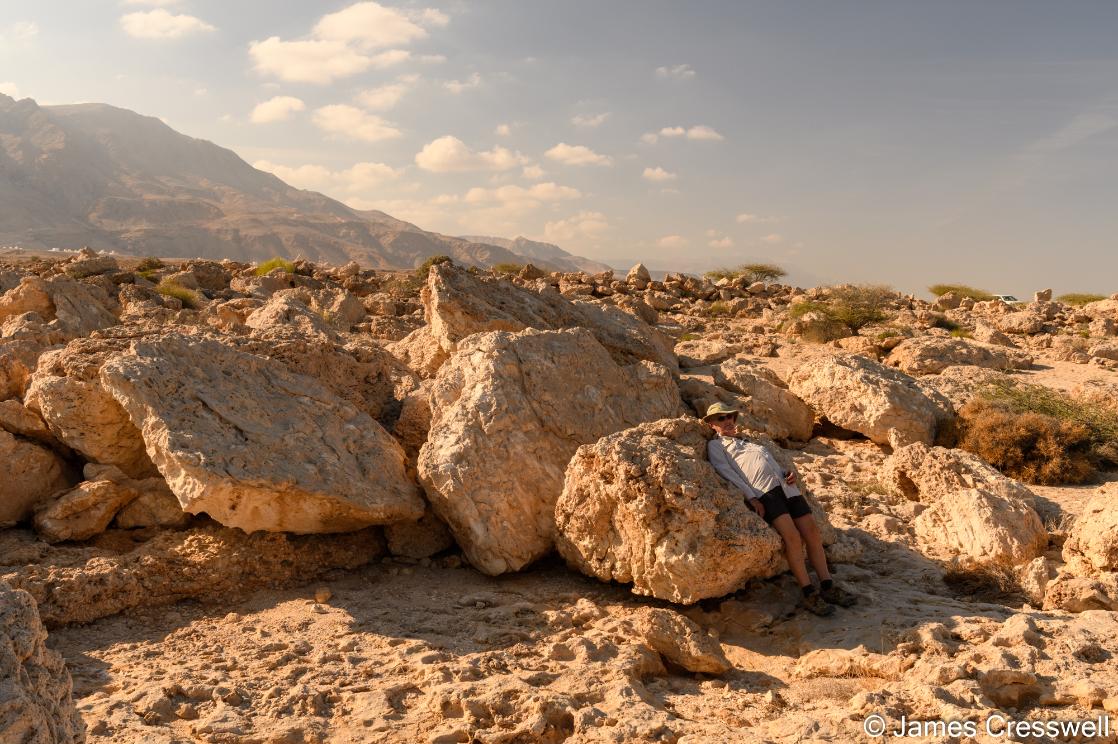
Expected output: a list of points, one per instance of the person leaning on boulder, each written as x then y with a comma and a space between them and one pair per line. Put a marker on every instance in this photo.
773, 494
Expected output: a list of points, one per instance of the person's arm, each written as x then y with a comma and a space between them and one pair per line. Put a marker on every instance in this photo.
725, 467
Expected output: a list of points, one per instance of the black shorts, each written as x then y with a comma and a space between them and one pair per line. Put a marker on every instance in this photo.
776, 503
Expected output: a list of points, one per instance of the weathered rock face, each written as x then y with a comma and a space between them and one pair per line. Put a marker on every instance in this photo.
960, 384
782, 414
508, 412
36, 701
285, 310
256, 446
1092, 545
645, 507
66, 391
927, 474
929, 355
979, 527
29, 473
420, 351
859, 394
458, 304
87, 509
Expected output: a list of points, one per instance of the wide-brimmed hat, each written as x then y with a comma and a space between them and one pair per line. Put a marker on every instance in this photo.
718, 409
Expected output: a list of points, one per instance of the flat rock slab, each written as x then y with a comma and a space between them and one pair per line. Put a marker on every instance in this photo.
255, 445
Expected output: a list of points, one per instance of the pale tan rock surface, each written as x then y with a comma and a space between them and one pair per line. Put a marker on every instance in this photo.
859, 394
156, 506
508, 412
420, 351
255, 446
927, 474
213, 563
36, 702
458, 304
423, 538
929, 355
1092, 545
29, 474
981, 528
87, 509
782, 414
645, 507
16, 418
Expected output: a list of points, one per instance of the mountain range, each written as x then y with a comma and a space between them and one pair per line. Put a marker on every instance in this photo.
97, 175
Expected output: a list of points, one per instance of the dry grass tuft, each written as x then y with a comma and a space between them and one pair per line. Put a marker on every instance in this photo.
1079, 298
962, 290
275, 263
188, 297
994, 584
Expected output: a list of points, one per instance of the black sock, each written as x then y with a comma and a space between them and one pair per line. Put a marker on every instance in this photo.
808, 590
826, 584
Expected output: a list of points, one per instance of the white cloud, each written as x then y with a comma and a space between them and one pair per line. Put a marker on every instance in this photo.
746, 218
457, 86
340, 44
9, 89
344, 184
162, 24
658, 175
371, 25
581, 225
773, 238
576, 155
649, 138
718, 240
20, 32
276, 109
387, 96
676, 72
589, 121
697, 132
352, 122
672, 241
432, 59
538, 193
533, 172
448, 154
503, 130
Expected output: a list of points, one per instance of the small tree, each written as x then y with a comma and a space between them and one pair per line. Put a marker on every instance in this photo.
856, 306
761, 272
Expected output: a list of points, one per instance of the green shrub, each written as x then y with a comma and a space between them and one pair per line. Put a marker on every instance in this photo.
856, 306
149, 264
1079, 298
188, 297
962, 290
506, 268
803, 307
961, 333
275, 263
944, 322
148, 274
718, 308
756, 272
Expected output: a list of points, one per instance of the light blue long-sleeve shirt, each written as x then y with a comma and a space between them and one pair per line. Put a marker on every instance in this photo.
750, 467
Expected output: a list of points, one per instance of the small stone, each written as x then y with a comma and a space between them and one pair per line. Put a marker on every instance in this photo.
322, 594
186, 712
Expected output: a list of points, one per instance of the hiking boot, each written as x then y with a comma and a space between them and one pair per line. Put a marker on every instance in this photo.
816, 605
836, 595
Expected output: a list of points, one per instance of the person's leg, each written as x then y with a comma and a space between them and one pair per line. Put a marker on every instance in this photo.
793, 548
809, 532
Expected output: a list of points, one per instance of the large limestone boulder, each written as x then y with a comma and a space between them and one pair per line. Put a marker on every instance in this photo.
977, 527
645, 507
928, 474
458, 304
420, 351
508, 412
1092, 545
929, 355
782, 414
256, 446
29, 473
66, 391
859, 394
36, 695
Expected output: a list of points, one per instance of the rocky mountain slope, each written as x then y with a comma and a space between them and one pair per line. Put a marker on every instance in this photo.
92, 174
333, 504
541, 253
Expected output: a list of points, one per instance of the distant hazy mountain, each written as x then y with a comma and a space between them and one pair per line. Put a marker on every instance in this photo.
92, 174
542, 253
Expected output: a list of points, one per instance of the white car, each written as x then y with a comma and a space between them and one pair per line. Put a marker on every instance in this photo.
1008, 299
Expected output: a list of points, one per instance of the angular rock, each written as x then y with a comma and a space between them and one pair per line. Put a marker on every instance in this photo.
929, 355
508, 412
859, 394
87, 509
256, 446
284, 309
421, 539
1092, 545
638, 277
156, 506
979, 527
959, 385
676, 638
928, 474
458, 304
782, 414
420, 351
1024, 322
36, 694
645, 507
29, 473
18, 419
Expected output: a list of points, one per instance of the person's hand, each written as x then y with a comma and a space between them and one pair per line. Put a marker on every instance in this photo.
758, 507
790, 479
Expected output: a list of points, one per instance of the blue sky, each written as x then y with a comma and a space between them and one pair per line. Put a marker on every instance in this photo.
896, 142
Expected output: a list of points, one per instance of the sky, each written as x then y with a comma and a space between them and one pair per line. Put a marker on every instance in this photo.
893, 141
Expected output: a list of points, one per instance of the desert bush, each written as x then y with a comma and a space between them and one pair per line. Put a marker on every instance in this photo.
962, 290
1039, 435
942, 321
756, 272
718, 308
506, 268
275, 263
1079, 298
424, 268
188, 297
991, 583
961, 333
859, 305
151, 263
